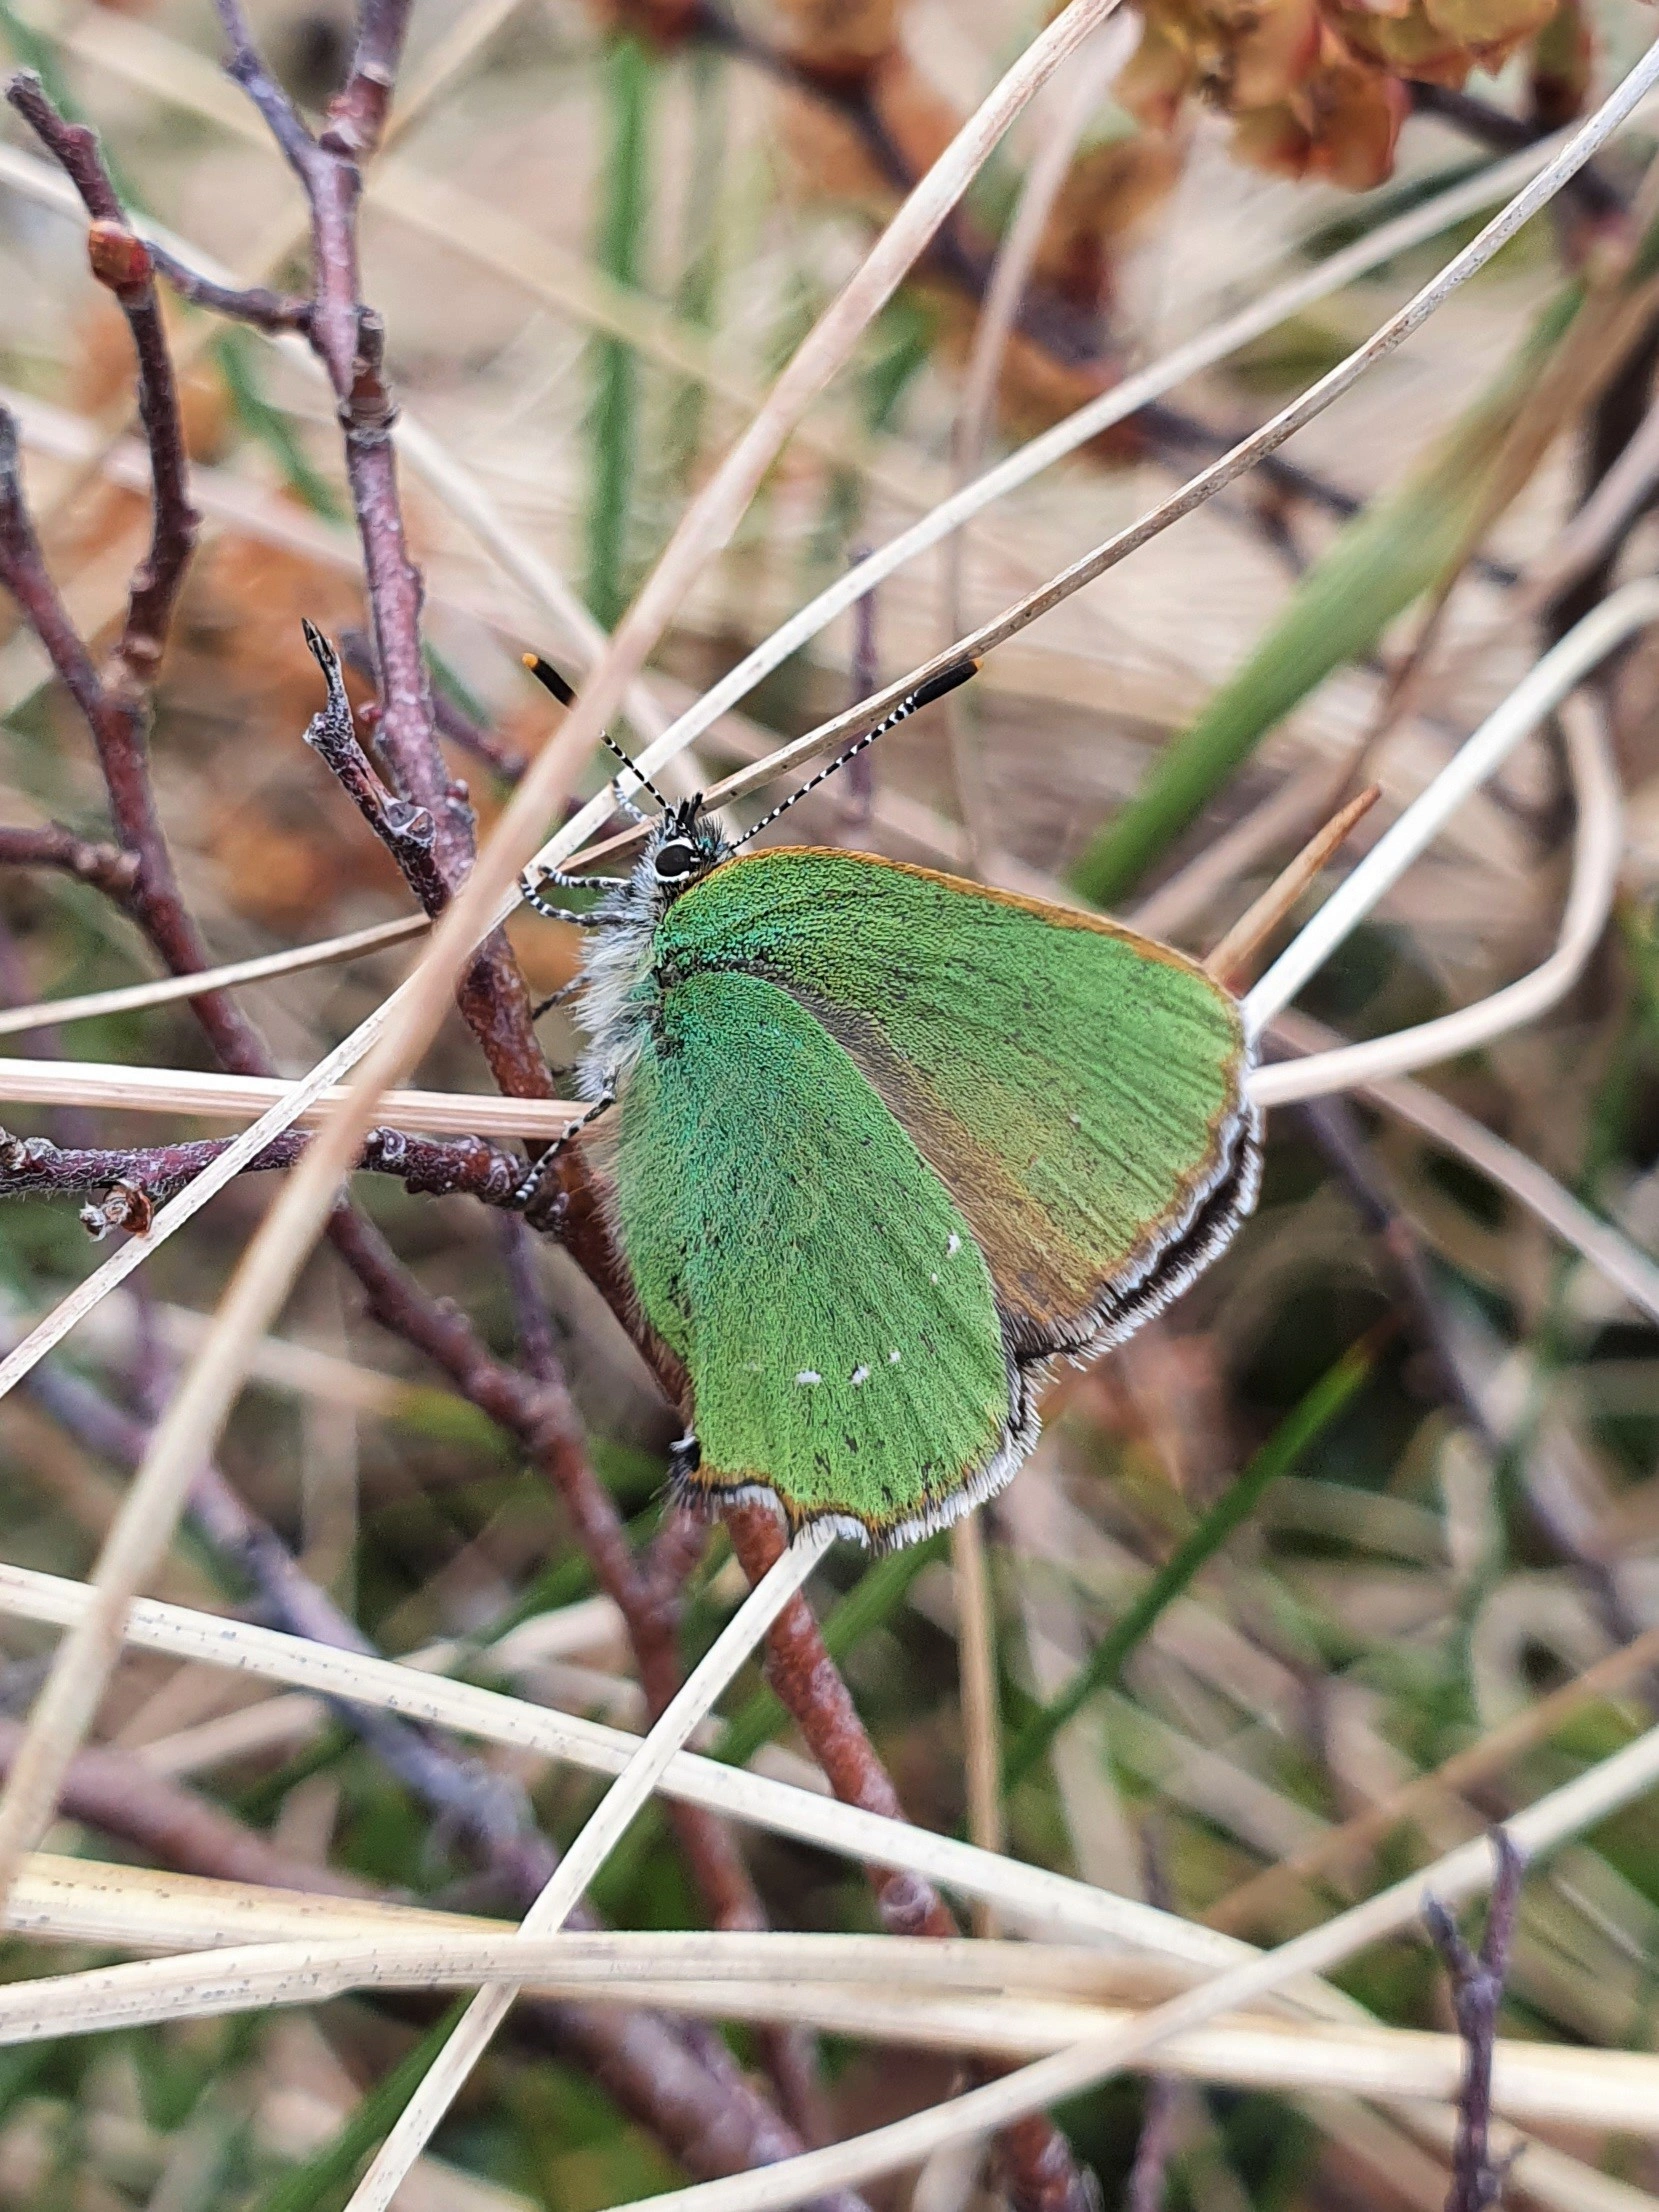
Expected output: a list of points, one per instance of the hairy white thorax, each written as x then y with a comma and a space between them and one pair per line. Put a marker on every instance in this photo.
615, 1004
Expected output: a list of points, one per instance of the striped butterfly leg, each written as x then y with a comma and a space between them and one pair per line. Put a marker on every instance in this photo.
525, 1196
560, 997
591, 920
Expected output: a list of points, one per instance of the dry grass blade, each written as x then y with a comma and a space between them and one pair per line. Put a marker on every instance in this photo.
461, 918
905, 1995
1615, 1257
1340, 1846
1597, 849
1030, 1895
600, 1835
1278, 306
1585, 142
977, 1665
1542, 689
457, 488
1263, 916
1071, 103
246, 1097
129, 998
1460, 1874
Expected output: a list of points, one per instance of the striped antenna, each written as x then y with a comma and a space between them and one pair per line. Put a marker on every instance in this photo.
935, 687
550, 680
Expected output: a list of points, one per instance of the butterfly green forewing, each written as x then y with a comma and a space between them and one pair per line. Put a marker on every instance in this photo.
892, 1141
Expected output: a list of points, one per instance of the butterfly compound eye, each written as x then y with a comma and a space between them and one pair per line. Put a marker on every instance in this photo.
676, 860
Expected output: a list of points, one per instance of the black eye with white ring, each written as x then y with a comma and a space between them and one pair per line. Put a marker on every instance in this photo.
675, 860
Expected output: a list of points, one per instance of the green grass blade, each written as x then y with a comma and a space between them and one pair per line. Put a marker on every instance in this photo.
614, 419
1302, 1426
697, 293
315, 2184
1400, 547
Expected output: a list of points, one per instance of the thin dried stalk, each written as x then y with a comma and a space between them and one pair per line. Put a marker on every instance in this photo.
600, 1834
243, 1097
1012, 1997
1615, 1257
1032, 1895
1235, 953
1463, 1873
1617, 108
1598, 847
363, 1041
1070, 105
1531, 2082
1340, 1848
455, 486
131, 996
977, 1664
1383, 244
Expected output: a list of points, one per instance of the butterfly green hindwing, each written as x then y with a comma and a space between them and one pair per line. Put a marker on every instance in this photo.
830, 1305
1077, 1088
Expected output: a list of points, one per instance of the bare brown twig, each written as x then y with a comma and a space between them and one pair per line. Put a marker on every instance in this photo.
1477, 1981
435, 1167
106, 867
1041, 2173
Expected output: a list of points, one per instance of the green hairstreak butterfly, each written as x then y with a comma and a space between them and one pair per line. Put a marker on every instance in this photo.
887, 1144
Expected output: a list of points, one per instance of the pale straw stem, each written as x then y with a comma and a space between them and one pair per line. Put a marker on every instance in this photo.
1614, 1256
1541, 690
171, 1217
1462, 1873
1385, 243
1035, 1896
604, 1829
162, 989
1585, 142
245, 1097
1598, 846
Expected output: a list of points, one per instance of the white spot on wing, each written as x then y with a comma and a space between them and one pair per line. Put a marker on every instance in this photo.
807, 1375
933, 1278
893, 1357
953, 1244
859, 1375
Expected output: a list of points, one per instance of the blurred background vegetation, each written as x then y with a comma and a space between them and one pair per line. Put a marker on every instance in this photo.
600, 235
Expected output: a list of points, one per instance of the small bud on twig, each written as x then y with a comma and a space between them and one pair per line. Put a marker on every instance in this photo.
118, 257
123, 1206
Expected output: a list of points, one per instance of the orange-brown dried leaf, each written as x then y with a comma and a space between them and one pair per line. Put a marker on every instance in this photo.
289, 850
662, 23
1341, 124
101, 380
1441, 41
1236, 53
1159, 74
1037, 387
1272, 55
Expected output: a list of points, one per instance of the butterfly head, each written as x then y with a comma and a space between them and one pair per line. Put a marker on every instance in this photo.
683, 846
